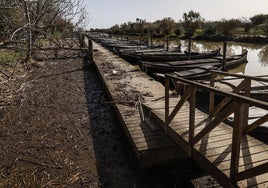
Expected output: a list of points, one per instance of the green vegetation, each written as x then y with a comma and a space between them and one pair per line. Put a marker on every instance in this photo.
191, 23
167, 26
194, 26
8, 57
227, 28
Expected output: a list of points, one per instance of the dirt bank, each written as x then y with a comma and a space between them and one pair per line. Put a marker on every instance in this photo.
56, 132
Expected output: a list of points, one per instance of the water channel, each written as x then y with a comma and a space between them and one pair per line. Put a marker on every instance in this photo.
257, 54
257, 63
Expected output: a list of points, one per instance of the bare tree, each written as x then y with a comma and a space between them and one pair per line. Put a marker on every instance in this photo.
26, 20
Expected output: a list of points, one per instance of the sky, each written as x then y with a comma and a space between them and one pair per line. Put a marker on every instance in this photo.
106, 13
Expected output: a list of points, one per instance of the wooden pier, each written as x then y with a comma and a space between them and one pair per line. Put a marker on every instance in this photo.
124, 84
228, 153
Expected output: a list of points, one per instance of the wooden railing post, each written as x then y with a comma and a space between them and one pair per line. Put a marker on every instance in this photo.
239, 121
83, 44
166, 98
247, 94
192, 116
211, 93
90, 50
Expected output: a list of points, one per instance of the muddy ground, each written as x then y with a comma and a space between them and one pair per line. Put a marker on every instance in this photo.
56, 131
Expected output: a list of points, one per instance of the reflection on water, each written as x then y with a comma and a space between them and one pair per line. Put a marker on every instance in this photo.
263, 56
257, 54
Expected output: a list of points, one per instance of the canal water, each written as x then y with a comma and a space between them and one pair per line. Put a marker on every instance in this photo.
257, 65
257, 54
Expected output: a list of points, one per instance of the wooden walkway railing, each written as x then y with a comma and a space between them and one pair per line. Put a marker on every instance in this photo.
244, 86
233, 103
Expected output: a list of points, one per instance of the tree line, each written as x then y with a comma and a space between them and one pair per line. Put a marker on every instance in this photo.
256, 25
192, 26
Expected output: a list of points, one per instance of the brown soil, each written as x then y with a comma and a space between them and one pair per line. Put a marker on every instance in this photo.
57, 131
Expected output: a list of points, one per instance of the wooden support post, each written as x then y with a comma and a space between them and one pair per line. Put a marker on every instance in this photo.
167, 42
90, 50
224, 55
239, 119
192, 116
247, 94
83, 41
211, 94
166, 98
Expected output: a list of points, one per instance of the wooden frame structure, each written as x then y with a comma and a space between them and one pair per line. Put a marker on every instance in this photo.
233, 103
244, 86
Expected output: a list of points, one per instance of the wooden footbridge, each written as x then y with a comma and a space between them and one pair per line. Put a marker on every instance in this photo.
232, 156
165, 122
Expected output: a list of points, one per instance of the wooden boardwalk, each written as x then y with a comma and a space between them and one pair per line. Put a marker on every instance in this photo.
214, 150
227, 152
124, 83
209, 141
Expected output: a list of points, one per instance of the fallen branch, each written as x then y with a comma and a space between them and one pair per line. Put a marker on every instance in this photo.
40, 164
119, 102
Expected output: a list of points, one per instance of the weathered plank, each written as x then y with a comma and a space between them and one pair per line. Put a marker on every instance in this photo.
128, 81
215, 146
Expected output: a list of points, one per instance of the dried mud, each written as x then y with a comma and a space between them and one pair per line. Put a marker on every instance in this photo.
58, 131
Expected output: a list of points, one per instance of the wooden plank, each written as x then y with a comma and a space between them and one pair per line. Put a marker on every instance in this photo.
217, 149
224, 157
142, 139
223, 161
260, 185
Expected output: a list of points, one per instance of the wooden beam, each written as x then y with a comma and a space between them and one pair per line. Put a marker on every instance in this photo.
226, 112
241, 76
212, 169
226, 100
256, 123
236, 97
255, 171
179, 104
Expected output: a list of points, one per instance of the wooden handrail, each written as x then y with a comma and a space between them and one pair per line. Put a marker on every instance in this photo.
243, 85
233, 96
240, 76
234, 103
